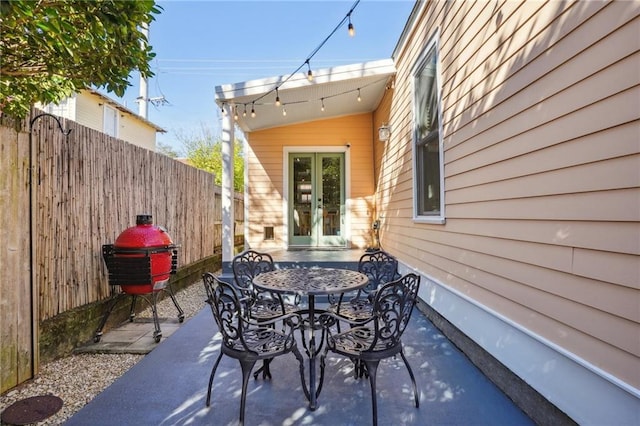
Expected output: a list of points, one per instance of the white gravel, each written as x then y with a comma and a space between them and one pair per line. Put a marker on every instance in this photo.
77, 379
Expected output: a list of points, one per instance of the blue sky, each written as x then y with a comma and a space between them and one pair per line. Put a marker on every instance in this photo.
202, 44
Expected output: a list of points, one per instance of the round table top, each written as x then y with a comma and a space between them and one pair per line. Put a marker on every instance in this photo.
311, 281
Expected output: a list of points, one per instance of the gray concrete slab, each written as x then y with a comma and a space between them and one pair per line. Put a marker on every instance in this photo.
169, 386
132, 337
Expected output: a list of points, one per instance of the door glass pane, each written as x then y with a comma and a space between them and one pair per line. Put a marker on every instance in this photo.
331, 195
302, 196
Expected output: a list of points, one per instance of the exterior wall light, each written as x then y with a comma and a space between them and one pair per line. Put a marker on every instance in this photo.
384, 132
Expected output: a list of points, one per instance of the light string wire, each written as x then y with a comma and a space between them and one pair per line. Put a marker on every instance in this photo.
346, 18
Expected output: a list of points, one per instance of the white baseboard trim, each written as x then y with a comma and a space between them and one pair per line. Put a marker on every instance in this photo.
587, 394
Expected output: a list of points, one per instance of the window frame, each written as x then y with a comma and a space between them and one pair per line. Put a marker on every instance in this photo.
432, 47
65, 108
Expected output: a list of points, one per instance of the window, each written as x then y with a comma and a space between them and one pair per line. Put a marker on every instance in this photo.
110, 121
62, 109
428, 167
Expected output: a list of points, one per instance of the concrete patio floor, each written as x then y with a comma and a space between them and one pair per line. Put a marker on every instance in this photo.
169, 385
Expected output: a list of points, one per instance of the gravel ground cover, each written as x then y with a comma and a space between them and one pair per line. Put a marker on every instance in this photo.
77, 379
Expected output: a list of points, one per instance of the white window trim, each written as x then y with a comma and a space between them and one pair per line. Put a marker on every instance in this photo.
434, 43
66, 108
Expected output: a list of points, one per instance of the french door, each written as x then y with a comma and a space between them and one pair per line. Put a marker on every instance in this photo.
316, 199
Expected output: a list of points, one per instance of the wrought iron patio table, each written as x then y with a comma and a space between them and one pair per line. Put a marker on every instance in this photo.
311, 282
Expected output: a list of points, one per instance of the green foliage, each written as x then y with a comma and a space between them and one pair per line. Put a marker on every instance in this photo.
166, 149
204, 151
50, 49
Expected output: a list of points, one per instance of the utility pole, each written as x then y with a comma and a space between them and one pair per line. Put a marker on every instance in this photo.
144, 88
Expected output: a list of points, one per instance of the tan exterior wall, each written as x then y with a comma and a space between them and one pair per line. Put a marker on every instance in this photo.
137, 133
541, 108
381, 116
90, 113
265, 174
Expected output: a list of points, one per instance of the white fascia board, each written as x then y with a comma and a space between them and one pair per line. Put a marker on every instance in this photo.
230, 92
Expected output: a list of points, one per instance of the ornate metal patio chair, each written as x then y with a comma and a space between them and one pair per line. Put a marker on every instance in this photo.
261, 305
380, 267
379, 337
244, 339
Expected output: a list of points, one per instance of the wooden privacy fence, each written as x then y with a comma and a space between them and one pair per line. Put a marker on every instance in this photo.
87, 188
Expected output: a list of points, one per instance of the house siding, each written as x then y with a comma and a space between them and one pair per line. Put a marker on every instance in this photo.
265, 173
132, 131
540, 110
90, 113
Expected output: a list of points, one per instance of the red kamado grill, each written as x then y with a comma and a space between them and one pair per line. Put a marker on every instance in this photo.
141, 262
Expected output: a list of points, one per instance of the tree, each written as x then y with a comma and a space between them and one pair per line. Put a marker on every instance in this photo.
204, 151
51, 49
166, 149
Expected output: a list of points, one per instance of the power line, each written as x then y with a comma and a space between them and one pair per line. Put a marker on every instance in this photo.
312, 54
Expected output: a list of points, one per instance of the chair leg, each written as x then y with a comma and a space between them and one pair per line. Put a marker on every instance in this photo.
413, 380
359, 369
213, 373
266, 372
247, 366
372, 368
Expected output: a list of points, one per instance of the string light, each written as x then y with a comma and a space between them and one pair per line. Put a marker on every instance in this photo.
235, 112
322, 99
284, 111
224, 111
309, 73
352, 31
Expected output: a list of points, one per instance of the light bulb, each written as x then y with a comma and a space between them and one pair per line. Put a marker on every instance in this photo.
235, 113
322, 107
244, 113
253, 111
359, 98
309, 72
277, 98
284, 112
352, 30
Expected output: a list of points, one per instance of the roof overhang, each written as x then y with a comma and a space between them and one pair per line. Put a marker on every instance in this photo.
337, 88
126, 110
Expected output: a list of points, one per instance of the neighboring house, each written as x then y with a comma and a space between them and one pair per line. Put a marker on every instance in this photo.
510, 181
97, 111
